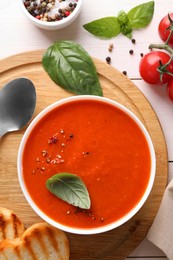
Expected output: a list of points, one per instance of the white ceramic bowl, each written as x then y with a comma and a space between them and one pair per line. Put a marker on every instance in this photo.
55, 25
98, 229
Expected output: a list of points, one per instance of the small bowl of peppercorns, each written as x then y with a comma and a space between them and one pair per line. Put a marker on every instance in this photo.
51, 14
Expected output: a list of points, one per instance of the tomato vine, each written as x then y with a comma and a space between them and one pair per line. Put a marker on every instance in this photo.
156, 67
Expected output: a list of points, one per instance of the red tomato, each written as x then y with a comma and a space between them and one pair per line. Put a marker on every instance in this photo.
163, 25
149, 64
169, 89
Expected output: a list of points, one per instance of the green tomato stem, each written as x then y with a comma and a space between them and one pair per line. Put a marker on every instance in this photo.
165, 47
170, 34
169, 73
163, 67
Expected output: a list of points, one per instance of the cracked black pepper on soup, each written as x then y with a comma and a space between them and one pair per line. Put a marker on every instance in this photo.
50, 10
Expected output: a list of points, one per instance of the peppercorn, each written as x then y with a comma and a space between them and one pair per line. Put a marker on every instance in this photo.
133, 41
27, 3
131, 52
67, 13
110, 47
108, 60
29, 8
42, 10
43, 4
124, 72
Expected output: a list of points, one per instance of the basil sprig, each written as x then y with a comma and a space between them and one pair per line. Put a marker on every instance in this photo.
70, 188
109, 27
72, 68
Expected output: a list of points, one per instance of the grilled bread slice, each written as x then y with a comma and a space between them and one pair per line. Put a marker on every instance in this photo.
39, 242
10, 225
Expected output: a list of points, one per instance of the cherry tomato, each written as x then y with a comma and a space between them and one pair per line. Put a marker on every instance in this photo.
169, 89
149, 64
162, 29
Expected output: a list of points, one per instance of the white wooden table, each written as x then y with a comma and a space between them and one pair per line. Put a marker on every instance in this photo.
17, 35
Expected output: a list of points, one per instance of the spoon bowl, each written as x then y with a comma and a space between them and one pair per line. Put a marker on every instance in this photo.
17, 104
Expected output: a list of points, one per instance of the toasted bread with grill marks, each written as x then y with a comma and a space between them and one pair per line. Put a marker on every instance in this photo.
10, 225
39, 242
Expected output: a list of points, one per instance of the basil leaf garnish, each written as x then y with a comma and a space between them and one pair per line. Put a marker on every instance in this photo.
127, 30
141, 15
107, 27
122, 18
70, 188
72, 68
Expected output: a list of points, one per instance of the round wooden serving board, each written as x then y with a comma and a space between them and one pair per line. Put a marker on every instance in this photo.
120, 242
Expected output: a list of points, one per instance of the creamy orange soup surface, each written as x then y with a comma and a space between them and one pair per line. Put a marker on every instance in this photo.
97, 142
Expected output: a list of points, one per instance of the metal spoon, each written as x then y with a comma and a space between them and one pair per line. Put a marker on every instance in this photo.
17, 104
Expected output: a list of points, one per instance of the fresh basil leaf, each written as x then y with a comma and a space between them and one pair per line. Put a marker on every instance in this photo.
141, 15
122, 18
106, 27
109, 27
72, 68
70, 188
127, 30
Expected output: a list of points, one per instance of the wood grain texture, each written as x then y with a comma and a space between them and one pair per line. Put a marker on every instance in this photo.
120, 242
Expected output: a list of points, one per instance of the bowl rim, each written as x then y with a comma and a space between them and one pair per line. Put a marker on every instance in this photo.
54, 24
115, 224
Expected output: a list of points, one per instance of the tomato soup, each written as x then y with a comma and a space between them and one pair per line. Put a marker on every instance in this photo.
101, 144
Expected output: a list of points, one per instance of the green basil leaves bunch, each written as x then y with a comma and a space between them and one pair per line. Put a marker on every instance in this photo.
109, 27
